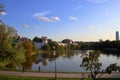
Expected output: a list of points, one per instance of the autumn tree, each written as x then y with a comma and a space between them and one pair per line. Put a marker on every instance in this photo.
29, 47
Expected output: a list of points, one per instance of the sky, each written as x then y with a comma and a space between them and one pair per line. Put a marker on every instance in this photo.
79, 20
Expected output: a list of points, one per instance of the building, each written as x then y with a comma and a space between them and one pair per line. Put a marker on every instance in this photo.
117, 36
44, 40
61, 44
24, 39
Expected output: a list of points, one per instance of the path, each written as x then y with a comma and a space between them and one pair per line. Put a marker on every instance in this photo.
62, 75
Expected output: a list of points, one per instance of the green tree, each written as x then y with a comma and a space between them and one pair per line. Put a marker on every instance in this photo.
92, 64
46, 47
37, 39
53, 45
112, 67
9, 51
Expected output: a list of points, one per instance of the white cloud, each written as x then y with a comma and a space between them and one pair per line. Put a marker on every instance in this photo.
41, 14
28, 26
96, 1
42, 17
3, 13
25, 26
52, 19
55, 18
73, 18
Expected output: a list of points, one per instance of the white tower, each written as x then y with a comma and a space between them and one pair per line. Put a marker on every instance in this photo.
117, 36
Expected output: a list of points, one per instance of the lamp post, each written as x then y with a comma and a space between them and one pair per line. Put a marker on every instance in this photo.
55, 70
39, 67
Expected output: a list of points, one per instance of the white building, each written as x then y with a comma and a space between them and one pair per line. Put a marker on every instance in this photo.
61, 44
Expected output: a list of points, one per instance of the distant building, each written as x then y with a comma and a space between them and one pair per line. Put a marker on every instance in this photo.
44, 40
24, 39
76, 42
61, 44
117, 36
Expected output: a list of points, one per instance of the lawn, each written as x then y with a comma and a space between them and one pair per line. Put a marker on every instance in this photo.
3, 77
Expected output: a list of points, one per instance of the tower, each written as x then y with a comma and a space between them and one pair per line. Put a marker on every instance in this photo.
117, 36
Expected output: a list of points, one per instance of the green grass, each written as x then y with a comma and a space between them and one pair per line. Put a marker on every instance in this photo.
3, 77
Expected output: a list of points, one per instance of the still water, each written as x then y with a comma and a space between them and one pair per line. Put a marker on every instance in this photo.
69, 62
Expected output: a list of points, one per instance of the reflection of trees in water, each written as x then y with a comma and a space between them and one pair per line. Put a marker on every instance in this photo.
109, 53
28, 63
66, 54
44, 58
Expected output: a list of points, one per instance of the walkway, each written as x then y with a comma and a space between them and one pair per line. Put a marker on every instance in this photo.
62, 75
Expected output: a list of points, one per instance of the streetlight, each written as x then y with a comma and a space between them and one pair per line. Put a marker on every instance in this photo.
55, 70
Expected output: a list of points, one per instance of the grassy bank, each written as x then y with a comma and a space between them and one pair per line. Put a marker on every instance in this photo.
3, 77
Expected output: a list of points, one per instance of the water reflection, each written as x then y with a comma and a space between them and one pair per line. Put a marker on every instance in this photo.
67, 61
28, 63
114, 54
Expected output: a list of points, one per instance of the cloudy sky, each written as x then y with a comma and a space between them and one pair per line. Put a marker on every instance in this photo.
81, 20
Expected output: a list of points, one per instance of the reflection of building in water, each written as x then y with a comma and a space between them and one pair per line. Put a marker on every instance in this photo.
44, 60
41, 44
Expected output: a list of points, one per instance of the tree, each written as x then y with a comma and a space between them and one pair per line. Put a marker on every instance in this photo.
10, 53
37, 39
112, 67
28, 47
46, 47
91, 63
68, 41
53, 45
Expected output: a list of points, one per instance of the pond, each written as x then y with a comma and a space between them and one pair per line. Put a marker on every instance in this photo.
68, 61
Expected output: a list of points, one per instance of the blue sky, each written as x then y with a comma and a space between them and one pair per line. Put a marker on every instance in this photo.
79, 20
